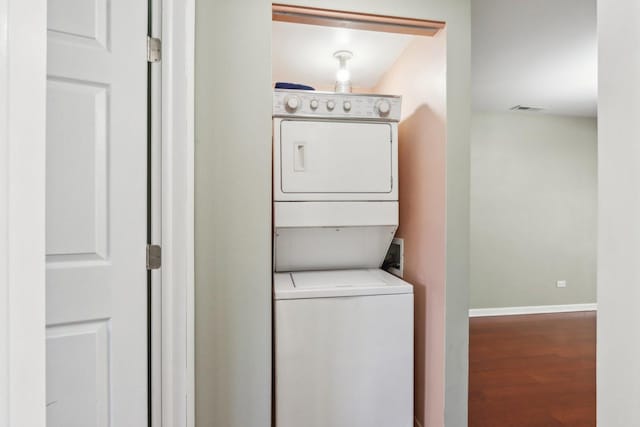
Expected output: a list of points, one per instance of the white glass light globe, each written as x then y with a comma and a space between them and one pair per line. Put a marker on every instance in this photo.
343, 75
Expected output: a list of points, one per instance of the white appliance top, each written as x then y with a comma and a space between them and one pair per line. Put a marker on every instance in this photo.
330, 105
337, 283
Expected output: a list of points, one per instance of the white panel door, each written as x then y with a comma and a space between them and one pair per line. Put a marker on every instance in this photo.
335, 157
96, 213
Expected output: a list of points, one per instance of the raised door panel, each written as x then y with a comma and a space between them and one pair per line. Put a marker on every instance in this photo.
79, 21
77, 220
78, 375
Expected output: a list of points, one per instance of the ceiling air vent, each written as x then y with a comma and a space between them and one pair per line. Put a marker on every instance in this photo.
525, 108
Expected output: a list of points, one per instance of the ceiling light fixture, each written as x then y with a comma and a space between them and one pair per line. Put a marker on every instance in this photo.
343, 76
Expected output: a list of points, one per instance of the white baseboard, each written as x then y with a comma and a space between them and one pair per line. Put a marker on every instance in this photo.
535, 309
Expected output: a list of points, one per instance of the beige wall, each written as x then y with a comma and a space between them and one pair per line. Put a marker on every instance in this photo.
233, 209
533, 209
419, 75
618, 368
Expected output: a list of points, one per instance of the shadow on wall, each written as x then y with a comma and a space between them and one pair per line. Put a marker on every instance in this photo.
422, 157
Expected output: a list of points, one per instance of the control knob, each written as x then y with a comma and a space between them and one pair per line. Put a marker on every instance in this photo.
346, 105
292, 102
314, 104
331, 105
383, 107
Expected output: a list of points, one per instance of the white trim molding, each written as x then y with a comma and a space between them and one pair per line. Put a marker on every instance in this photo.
534, 309
23, 70
177, 281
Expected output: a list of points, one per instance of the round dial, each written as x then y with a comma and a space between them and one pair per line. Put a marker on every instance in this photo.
314, 104
292, 103
383, 107
346, 105
331, 105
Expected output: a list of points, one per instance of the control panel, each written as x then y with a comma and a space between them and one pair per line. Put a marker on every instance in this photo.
302, 103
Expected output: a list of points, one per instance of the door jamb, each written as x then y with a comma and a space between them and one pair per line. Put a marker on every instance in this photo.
23, 70
173, 394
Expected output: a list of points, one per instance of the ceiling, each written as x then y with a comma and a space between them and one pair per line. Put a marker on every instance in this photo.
540, 53
304, 54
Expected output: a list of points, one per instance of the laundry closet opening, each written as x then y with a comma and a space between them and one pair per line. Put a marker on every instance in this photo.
335, 51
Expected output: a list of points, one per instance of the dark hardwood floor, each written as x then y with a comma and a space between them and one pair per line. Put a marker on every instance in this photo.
533, 370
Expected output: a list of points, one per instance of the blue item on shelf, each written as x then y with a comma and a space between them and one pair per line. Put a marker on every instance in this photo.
285, 85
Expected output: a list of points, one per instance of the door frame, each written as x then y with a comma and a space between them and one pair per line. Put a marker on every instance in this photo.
23, 55
174, 388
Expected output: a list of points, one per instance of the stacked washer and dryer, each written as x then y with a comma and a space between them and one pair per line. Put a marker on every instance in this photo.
343, 327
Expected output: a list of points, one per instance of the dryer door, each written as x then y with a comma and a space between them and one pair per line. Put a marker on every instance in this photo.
335, 157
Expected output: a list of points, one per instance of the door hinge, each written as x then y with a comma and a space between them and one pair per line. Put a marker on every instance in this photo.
154, 257
154, 49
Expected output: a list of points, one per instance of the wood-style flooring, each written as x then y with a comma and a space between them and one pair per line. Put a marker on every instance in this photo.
533, 371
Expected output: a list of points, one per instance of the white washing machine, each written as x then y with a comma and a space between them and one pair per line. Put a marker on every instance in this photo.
343, 328
343, 349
